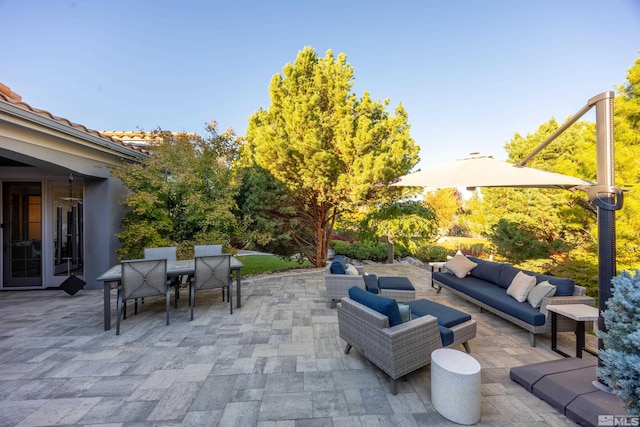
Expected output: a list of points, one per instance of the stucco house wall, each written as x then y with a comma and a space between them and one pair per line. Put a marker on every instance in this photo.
38, 147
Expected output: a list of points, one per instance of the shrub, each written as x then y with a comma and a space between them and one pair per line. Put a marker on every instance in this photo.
375, 252
516, 242
340, 247
620, 368
431, 253
359, 250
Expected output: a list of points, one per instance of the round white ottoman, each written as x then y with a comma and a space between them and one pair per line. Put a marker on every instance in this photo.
455, 385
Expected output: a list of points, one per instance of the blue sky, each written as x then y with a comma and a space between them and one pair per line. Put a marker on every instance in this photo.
470, 73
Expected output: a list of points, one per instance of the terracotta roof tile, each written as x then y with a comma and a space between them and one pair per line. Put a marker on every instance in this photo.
7, 95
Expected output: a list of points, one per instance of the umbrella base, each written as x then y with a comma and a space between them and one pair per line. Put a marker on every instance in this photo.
567, 385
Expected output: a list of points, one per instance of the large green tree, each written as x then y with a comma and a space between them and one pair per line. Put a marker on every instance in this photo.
627, 158
560, 216
555, 218
181, 195
446, 203
319, 151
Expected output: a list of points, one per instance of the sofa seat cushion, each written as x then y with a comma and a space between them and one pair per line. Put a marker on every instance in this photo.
447, 316
396, 283
493, 296
383, 305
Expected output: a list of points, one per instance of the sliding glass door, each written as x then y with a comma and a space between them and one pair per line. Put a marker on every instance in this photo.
22, 234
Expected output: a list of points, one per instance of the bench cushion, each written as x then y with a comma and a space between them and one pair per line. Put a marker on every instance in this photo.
383, 305
447, 316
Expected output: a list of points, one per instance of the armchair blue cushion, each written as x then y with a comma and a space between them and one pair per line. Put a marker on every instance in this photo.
338, 267
371, 283
447, 316
383, 305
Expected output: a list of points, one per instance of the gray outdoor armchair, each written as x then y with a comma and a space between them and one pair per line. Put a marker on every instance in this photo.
211, 272
141, 279
396, 350
338, 285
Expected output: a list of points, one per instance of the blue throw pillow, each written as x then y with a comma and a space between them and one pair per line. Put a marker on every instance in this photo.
383, 305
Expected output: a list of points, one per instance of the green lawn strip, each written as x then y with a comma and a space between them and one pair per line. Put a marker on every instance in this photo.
256, 264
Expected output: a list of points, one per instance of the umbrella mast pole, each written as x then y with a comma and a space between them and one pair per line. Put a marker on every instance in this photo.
607, 205
605, 195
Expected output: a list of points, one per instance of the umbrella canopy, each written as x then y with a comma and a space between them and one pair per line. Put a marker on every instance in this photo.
489, 172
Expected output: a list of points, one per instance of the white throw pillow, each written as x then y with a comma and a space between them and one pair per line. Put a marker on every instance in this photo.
405, 312
520, 286
460, 265
351, 269
539, 291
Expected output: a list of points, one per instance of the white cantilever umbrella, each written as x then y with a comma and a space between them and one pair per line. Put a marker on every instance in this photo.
489, 172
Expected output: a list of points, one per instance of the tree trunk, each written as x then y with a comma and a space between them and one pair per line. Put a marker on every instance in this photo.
390, 252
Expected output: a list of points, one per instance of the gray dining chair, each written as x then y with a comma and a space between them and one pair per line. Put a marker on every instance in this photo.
211, 272
207, 250
170, 253
141, 279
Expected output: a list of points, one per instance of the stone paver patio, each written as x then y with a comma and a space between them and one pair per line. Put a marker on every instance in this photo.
277, 361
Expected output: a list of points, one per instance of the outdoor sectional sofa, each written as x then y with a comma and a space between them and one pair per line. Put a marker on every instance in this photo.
486, 285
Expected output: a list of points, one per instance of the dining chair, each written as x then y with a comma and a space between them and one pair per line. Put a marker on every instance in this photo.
140, 279
170, 253
208, 250
211, 272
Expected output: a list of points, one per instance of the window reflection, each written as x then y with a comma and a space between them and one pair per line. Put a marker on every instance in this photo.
67, 215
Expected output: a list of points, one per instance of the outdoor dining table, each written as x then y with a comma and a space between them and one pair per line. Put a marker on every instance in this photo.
111, 280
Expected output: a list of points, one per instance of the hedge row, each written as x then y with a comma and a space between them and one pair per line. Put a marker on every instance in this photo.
378, 251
